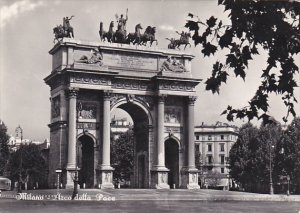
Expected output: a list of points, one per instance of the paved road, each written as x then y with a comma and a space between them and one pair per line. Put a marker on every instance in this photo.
11, 205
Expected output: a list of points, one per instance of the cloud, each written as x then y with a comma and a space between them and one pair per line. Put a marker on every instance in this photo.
15, 9
167, 27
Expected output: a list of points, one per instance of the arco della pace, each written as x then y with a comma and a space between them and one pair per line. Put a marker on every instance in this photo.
89, 80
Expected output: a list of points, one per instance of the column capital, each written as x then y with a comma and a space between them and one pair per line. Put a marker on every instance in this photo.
161, 98
107, 94
192, 99
72, 93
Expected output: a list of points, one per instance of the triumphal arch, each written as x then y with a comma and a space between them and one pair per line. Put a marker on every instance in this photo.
89, 80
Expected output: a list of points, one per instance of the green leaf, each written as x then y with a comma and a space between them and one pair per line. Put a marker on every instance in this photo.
211, 22
209, 49
191, 15
226, 39
192, 25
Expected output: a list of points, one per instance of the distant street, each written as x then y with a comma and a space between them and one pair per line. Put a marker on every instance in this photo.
11, 205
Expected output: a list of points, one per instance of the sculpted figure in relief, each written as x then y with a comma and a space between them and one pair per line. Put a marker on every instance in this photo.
173, 65
95, 57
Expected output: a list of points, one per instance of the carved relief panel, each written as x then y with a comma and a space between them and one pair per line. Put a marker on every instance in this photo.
55, 107
172, 114
89, 110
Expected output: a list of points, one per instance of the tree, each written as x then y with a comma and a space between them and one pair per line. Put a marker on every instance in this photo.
255, 26
269, 138
287, 160
4, 151
33, 168
240, 165
122, 156
250, 156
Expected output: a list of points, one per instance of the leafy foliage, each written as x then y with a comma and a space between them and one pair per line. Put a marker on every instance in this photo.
33, 168
4, 151
287, 159
122, 156
250, 156
271, 26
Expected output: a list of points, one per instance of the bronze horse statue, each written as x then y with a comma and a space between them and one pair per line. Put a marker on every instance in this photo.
108, 35
60, 33
183, 41
135, 38
149, 35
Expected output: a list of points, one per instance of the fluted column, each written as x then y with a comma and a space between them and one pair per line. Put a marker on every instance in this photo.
160, 131
191, 134
159, 172
72, 95
106, 130
105, 171
190, 173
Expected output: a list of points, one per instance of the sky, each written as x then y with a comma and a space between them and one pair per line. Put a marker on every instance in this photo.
26, 36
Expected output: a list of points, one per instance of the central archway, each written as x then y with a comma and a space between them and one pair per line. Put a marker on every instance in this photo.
141, 120
86, 161
172, 161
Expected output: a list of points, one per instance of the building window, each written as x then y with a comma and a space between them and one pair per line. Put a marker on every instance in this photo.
209, 147
222, 170
222, 137
209, 158
222, 147
222, 159
209, 137
197, 137
198, 147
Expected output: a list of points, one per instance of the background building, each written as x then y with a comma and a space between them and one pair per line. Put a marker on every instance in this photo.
119, 126
213, 143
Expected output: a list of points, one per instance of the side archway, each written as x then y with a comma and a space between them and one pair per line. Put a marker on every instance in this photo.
172, 147
86, 160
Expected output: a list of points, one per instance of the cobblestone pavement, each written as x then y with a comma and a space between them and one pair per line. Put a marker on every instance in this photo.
151, 206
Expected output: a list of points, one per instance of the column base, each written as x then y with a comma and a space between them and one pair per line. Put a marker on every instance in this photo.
70, 178
159, 177
189, 178
105, 177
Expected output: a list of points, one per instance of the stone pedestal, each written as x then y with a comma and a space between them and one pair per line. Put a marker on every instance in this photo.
70, 177
189, 178
105, 177
159, 178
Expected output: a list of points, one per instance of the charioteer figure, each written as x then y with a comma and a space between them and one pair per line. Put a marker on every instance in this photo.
67, 26
122, 21
120, 35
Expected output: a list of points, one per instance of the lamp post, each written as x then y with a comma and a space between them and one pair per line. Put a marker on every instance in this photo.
78, 113
19, 130
58, 172
271, 180
288, 185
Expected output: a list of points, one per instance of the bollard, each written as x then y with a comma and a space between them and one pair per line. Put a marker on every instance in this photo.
119, 185
84, 185
174, 186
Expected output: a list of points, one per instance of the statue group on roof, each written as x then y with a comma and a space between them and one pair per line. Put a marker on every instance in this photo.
121, 35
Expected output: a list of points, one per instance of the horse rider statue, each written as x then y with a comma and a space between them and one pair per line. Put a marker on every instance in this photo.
182, 35
67, 27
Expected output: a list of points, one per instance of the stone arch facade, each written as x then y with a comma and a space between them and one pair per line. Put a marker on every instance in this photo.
142, 81
143, 104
